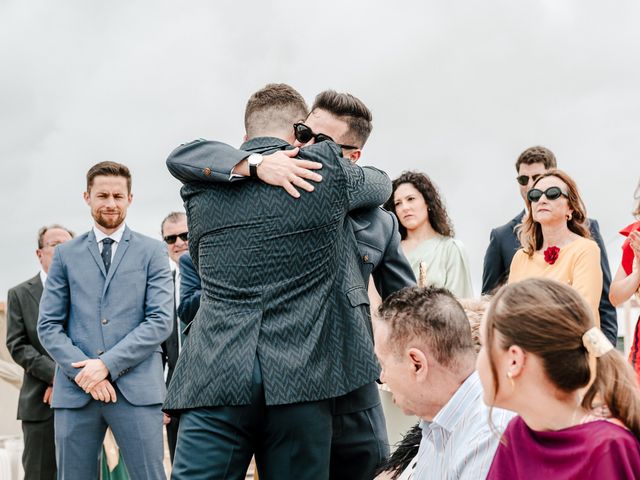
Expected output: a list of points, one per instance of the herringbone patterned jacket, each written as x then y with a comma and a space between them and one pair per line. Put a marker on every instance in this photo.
273, 270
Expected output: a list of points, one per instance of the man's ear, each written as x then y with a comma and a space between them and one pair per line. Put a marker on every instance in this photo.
355, 155
419, 364
86, 197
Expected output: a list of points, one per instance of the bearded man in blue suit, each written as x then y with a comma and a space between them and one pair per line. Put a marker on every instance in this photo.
106, 308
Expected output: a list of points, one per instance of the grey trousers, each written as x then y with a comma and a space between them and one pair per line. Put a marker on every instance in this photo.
79, 434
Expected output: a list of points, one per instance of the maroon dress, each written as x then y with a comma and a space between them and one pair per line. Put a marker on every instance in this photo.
595, 450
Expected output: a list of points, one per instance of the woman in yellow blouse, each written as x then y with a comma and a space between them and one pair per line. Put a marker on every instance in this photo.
555, 239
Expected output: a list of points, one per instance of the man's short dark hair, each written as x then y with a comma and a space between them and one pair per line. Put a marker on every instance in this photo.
537, 155
173, 217
112, 169
431, 315
53, 226
275, 107
349, 109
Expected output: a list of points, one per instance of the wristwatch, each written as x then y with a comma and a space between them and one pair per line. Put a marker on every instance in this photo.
254, 160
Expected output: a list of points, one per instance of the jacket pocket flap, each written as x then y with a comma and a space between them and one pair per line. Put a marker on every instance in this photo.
358, 296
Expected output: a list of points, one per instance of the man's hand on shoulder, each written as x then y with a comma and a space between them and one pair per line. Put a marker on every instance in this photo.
103, 391
93, 371
282, 169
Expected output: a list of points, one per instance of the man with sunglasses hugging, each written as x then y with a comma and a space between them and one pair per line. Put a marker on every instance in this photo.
175, 235
504, 241
359, 441
268, 349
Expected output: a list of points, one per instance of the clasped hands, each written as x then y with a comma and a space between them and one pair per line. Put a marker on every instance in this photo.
93, 380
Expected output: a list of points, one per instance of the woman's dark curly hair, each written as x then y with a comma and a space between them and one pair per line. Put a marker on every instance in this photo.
437, 214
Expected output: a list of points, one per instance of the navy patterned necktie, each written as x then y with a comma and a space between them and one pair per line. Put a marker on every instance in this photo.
106, 252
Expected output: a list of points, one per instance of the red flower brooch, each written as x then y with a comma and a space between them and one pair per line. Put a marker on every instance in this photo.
551, 255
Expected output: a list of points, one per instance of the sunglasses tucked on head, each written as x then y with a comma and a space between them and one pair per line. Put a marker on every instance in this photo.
552, 193
171, 239
524, 179
304, 134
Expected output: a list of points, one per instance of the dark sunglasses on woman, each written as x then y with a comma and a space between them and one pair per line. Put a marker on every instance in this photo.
304, 134
171, 239
552, 193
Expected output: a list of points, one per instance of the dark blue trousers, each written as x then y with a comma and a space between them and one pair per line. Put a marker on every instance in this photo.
289, 441
359, 444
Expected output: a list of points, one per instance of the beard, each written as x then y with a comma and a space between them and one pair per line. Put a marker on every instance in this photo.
109, 222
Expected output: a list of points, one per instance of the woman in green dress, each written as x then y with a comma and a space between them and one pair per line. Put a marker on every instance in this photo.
427, 234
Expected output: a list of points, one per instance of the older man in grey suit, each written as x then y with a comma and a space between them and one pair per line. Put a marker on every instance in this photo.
275, 272
38, 458
106, 308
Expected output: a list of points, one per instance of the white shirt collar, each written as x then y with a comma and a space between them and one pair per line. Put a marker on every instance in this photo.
115, 236
43, 277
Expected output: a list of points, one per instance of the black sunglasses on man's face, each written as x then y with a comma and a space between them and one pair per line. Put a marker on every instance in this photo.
171, 239
524, 179
304, 134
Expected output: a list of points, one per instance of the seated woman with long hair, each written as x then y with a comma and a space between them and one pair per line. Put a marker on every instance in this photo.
538, 337
555, 239
427, 234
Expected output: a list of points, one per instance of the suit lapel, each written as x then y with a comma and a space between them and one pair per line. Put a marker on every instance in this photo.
517, 220
92, 245
35, 288
120, 251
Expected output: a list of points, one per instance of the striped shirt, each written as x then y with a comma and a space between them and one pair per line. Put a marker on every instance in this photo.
459, 442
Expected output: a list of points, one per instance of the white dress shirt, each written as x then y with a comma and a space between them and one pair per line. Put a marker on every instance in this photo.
459, 443
115, 236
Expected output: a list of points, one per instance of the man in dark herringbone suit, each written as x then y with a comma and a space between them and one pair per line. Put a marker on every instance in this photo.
359, 441
34, 404
264, 352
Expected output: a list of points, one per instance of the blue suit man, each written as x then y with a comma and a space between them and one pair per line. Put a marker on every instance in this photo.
106, 308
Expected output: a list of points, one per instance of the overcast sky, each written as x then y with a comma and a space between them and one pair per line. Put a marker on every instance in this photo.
457, 90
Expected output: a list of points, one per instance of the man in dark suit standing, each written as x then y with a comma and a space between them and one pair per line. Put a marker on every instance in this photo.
38, 458
359, 442
175, 235
268, 350
504, 242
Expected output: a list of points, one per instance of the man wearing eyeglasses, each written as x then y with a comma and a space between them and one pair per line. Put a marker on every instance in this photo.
175, 235
359, 441
504, 242
34, 404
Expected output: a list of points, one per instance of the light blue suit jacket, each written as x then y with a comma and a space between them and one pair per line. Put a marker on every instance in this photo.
122, 317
